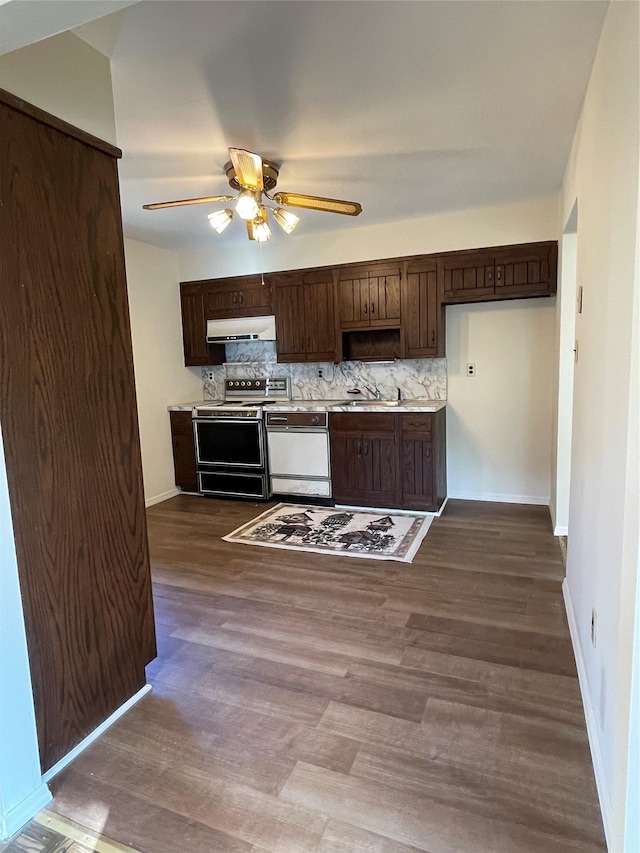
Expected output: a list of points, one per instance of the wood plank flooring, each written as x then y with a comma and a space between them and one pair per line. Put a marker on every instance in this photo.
304, 703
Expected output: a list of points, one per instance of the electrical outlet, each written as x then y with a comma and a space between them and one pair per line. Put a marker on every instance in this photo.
471, 370
594, 620
208, 375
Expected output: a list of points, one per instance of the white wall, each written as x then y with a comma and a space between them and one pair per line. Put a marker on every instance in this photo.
21, 790
161, 378
492, 226
67, 78
499, 421
602, 567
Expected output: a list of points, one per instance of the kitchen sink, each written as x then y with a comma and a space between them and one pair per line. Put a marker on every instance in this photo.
384, 403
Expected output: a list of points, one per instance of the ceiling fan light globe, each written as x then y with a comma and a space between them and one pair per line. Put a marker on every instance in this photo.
261, 230
285, 219
220, 219
247, 206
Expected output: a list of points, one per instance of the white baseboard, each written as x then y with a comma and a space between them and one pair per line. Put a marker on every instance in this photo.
590, 717
534, 500
163, 497
95, 734
561, 530
19, 815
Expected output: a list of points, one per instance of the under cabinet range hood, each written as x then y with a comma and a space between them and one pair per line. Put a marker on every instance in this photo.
241, 329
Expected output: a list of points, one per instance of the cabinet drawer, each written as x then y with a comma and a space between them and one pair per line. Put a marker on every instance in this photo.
362, 422
181, 423
422, 423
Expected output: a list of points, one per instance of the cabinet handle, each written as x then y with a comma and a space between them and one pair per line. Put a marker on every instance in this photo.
366, 448
373, 307
490, 274
241, 295
365, 308
499, 273
358, 448
433, 336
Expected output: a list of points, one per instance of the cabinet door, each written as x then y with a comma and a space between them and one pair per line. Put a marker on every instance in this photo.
369, 296
364, 458
244, 296
194, 329
422, 313
320, 318
353, 295
289, 305
528, 270
184, 453
416, 472
347, 481
416, 461
384, 296
467, 277
378, 462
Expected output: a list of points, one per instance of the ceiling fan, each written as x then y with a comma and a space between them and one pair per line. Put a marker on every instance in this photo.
254, 178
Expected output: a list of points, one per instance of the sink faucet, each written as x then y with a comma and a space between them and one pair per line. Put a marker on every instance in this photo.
374, 392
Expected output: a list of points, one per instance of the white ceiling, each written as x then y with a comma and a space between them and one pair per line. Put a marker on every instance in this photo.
411, 108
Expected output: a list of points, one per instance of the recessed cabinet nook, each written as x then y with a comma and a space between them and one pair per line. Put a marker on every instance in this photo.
382, 309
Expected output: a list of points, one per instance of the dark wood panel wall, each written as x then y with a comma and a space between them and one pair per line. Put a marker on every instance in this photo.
68, 417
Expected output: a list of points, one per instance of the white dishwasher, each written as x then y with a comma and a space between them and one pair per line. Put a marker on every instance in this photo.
298, 444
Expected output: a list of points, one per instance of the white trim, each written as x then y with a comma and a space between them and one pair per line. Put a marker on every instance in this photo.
163, 497
20, 814
561, 531
95, 734
590, 717
534, 500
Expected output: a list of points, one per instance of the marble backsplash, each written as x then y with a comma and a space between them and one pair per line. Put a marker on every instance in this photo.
416, 378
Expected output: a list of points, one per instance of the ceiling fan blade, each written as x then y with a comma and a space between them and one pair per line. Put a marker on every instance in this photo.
314, 202
248, 168
181, 202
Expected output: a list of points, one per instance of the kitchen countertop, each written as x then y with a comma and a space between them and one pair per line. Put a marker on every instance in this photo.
420, 405
187, 407
361, 406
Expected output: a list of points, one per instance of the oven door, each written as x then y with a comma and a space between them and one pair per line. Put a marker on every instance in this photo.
229, 442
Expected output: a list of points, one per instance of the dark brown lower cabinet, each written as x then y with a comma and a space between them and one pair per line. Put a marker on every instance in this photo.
423, 473
184, 451
69, 425
389, 460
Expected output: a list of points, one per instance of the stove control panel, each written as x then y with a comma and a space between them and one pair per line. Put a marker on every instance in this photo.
257, 388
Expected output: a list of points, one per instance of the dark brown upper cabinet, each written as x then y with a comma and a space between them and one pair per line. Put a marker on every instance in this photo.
422, 311
304, 306
369, 296
244, 296
503, 272
194, 328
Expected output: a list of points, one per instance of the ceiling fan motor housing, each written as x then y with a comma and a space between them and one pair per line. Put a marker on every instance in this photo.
270, 172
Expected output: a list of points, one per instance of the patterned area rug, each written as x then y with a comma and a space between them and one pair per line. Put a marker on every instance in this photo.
49, 832
345, 532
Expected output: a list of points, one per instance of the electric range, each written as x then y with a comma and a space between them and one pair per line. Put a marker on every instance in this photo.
230, 438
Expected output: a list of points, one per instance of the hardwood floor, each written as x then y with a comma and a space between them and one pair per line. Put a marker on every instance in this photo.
305, 703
